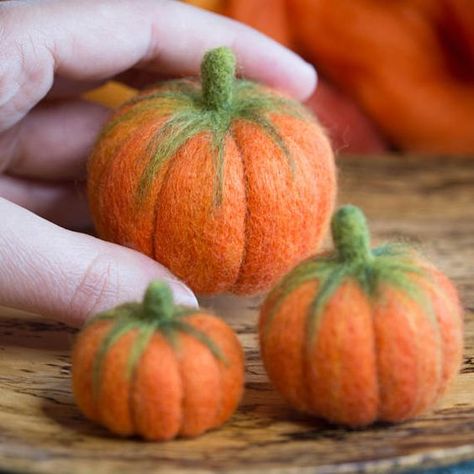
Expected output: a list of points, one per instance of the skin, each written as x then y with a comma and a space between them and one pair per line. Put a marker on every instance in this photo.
52, 51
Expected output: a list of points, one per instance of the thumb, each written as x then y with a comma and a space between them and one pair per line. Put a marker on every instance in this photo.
70, 276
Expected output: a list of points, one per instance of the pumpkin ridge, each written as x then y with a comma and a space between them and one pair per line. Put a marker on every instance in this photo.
433, 317
452, 310
203, 339
118, 330
220, 404
176, 131
306, 348
219, 135
183, 391
271, 131
328, 287
376, 360
247, 209
306, 271
143, 338
155, 212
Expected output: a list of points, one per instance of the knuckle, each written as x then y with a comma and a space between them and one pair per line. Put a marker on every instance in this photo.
26, 64
97, 289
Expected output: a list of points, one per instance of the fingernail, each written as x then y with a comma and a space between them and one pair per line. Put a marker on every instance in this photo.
182, 294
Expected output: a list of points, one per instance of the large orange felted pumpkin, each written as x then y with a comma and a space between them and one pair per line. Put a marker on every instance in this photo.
363, 334
157, 370
229, 185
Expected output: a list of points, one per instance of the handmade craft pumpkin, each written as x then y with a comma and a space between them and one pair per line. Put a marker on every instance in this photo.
362, 334
228, 185
157, 370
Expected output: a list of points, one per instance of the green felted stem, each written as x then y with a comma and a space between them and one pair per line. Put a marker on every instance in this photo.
158, 301
217, 77
351, 235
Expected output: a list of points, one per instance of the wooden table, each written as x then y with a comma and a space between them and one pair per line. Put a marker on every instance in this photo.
427, 201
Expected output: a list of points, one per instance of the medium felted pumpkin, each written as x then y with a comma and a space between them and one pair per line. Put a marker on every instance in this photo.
362, 334
228, 185
157, 370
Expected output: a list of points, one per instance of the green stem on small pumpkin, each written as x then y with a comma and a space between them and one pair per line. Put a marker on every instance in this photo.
217, 77
351, 235
158, 301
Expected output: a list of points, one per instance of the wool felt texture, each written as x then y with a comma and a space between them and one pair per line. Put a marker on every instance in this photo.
157, 370
362, 334
229, 185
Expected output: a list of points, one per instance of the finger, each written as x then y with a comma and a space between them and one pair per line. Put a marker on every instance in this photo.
91, 40
67, 275
65, 204
53, 141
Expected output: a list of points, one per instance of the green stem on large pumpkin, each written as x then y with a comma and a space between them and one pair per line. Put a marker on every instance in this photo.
158, 301
351, 235
217, 78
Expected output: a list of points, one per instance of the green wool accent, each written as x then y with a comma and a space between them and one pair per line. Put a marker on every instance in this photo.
158, 301
189, 110
350, 234
217, 77
390, 264
157, 313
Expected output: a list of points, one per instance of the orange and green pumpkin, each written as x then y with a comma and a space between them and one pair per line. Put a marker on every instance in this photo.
228, 184
362, 334
157, 370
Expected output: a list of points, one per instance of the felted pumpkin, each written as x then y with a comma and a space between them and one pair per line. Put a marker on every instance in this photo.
362, 334
157, 370
228, 185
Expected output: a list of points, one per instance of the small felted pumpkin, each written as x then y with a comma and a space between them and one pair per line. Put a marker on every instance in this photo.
157, 370
228, 185
363, 334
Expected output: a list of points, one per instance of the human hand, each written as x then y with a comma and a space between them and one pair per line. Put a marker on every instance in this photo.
51, 52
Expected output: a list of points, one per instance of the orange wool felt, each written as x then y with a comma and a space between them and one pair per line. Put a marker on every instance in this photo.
228, 185
157, 370
363, 334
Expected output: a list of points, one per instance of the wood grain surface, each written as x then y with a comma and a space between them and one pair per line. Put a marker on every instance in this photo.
426, 201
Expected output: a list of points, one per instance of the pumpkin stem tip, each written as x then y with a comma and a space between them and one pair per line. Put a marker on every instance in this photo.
350, 234
217, 76
158, 300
